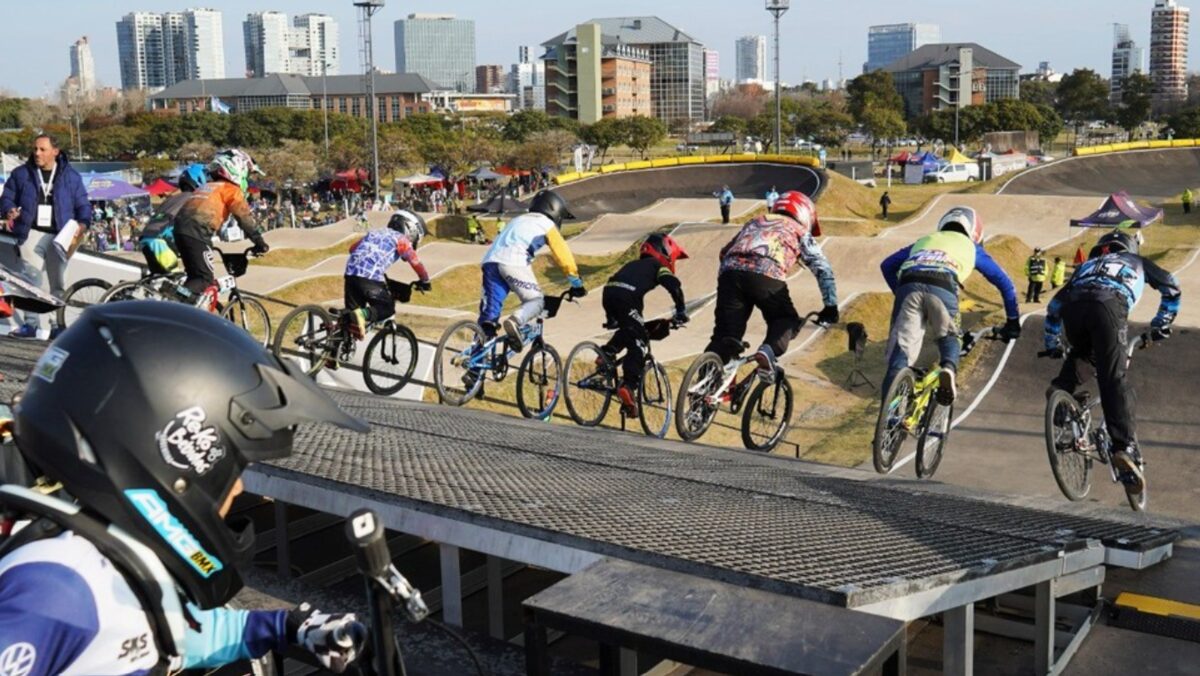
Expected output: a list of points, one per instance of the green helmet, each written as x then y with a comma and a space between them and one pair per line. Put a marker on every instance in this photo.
234, 165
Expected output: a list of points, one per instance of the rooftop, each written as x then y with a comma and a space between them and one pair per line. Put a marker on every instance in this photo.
283, 84
633, 30
936, 55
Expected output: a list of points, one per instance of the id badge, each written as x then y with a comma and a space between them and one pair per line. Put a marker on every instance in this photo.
44, 215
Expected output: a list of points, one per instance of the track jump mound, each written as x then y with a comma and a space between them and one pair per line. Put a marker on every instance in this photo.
627, 191
1147, 174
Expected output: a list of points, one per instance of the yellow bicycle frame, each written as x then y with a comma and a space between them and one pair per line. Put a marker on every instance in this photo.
922, 393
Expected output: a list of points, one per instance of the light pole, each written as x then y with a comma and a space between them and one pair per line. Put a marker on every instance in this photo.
367, 9
777, 8
325, 104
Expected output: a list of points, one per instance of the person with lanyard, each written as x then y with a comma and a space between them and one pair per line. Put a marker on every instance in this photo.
42, 195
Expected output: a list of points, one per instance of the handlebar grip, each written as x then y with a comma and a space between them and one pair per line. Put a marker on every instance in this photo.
1047, 353
347, 635
366, 536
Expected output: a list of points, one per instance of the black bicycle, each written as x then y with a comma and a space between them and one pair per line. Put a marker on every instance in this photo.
1075, 439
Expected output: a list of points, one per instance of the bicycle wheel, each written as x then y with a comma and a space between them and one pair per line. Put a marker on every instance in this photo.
889, 430
1072, 468
251, 316
591, 380
460, 366
129, 291
539, 382
935, 429
654, 400
308, 334
390, 359
768, 414
78, 297
698, 404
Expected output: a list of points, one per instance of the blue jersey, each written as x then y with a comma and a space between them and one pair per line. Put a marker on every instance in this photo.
66, 609
1117, 275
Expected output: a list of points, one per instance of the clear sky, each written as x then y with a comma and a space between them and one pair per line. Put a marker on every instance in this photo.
34, 56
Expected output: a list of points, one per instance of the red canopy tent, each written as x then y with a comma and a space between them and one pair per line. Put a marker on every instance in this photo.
351, 179
160, 188
509, 171
903, 157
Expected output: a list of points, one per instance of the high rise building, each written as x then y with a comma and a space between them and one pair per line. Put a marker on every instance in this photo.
887, 43
265, 35
1169, 52
1127, 59
313, 41
752, 59
140, 49
158, 50
592, 75
438, 46
489, 79
676, 58
712, 73
528, 80
207, 44
83, 69
948, 76
523, 54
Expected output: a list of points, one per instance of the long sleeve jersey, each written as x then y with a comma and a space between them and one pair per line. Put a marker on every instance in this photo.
771, 245
940, 253
375, 252
640, 277
524, 236
1120, 275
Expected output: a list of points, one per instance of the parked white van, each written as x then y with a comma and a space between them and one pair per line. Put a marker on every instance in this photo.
954, 173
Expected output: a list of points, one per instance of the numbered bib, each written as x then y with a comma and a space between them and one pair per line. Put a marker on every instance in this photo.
227, 283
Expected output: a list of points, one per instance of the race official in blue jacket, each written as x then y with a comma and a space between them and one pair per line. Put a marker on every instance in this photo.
39, 198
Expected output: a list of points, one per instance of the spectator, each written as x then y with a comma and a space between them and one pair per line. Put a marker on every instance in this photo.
884, 203
725, 198
1035, 270
1187, 200
772, 196
1058, 276
42, 195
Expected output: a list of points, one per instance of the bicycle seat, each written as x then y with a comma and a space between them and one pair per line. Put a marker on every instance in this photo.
919, 372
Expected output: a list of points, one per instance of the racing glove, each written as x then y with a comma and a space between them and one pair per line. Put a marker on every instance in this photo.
577, 290
828, 315
1012, 331
335, 640
260, 245
681, 317
423, 286
1160, 332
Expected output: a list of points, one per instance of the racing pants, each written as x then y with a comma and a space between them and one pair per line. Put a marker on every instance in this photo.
361, 292
1097, 330
918, 308
738, 293
624, 310
498, 281
198, 258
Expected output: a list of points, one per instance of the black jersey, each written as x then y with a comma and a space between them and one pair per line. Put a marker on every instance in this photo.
642, 276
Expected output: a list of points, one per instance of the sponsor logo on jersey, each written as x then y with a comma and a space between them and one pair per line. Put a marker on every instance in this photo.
154, 510
186, 443
50, 363
136, 648
18, 659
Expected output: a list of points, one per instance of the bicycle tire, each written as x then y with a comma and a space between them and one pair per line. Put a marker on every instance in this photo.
133, 290
779, 424
251, 316
313, 324
889, 435
545, 379
78, 297
581, 369
440, 362
929, 456
1137, 501
1071, 469
404, 351
693, 415
654, 399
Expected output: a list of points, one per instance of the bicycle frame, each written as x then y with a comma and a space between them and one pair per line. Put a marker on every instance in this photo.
922, 393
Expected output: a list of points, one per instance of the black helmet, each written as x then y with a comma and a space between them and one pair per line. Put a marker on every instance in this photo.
408, 224
551, 205
148, 413
1116, 241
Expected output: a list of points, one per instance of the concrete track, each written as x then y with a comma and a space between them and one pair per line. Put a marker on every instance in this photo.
1156, 175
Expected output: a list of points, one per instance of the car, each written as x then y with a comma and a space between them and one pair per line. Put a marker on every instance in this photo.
686, 148
954, 173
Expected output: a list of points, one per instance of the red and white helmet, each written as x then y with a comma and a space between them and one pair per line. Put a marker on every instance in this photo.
664, 249
797, 206
964, 220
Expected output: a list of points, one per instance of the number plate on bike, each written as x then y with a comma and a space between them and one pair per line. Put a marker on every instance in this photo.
227, 282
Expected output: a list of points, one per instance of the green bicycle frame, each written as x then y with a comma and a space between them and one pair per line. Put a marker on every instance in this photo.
922, 393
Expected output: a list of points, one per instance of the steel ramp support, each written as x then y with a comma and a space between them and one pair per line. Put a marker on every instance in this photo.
958, 641
452, 609
283, 546
495, 596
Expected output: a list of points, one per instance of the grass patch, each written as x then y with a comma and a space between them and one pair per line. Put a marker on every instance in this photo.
1169, 244
300, 259
847, 199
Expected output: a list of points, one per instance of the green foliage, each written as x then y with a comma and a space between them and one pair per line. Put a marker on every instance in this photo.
1006, 115
1039, 92
1082, 96
153, 167
643, 133
1050, 127
604, 134
1186, 123
112, 143
1136, 93
10, 113
875, 104
730, 124
519, 126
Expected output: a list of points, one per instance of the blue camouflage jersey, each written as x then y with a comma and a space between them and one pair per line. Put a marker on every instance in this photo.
1120, 275
371, 256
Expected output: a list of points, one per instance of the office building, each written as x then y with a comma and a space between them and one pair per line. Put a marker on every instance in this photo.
206, 39
275, 45
752, 59
1127, 59
140, 49
677, 77
712, 73
887, 43
946, 76
591, 75
489, 79
83, 69
528, 80
177, 48
397, 96
158, 50
1169, 52
439, 47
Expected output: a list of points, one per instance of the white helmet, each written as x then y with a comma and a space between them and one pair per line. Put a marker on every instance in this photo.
408, 224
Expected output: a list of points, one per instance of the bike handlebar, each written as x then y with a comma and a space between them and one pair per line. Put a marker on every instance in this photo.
1141, 342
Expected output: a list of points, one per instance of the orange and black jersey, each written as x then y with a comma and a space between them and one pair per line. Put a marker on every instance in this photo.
207, 209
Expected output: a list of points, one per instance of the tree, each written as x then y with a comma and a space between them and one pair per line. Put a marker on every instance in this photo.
1039, 92
731, 124
518, 127
457, 154
871, 92
1136, 95
1186, 123
112, 143
606, 133
532, 155
10, 113
558, 140
153, 167
1050, 127
1083, 96
746, 102
763, 128
396, 149
292, 163
196, 151
883, 123
643, 133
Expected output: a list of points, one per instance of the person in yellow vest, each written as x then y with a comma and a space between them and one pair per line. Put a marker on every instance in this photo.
1058, 275
1035, 272
1187, 200
926, 278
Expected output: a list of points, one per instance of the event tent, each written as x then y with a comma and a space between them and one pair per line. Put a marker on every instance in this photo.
1118, 208
418, 179
485, 174
956, 157
160, 188
104, 189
